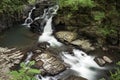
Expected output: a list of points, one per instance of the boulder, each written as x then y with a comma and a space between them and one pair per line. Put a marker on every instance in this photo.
66, 36
107, 59
51, 64
37, 26
99, 61
85, 44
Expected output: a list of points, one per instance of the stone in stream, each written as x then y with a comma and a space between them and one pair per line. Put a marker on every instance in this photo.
85, 44
38, 64
100, 61
107, 59
40, 6
51, 64
66, 36
37, 26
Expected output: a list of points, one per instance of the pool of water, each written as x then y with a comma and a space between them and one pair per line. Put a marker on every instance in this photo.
17, 36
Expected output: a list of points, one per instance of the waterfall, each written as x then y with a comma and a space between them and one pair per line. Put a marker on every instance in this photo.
29, 20
80, 63
47, 33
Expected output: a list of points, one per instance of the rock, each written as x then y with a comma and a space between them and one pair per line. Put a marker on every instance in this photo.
72, 77
85, 44
51, 65
2, 50
107, 59
37, 26
8, 58
39, 64
112, 39
39, 11
66, 35
38, 51
43, 45
99, 61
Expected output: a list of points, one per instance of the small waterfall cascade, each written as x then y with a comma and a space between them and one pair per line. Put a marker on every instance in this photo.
80, 63
47, 33
29, 20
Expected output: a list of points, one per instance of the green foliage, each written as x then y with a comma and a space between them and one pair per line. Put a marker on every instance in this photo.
116, 75
25, 73
106, 31
31, 1
74, 4
10, 6
98, 15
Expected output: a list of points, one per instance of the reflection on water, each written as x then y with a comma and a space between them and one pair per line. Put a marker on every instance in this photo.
17, 36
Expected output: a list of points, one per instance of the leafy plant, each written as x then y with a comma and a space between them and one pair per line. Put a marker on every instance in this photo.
74, 4
98, 15
25, 73
116, 75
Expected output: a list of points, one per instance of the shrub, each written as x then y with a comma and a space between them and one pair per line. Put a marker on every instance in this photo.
116, 75
25, 73
74, 4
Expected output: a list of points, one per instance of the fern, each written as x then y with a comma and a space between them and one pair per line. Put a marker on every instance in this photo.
25, 73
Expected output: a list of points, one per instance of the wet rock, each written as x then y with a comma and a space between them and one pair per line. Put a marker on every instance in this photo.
107, 59
8, 58
37, 51
39, 64
52, 65
39, 11
43, 45
66, 36
85, 44
75, 78
37, 26
99, 61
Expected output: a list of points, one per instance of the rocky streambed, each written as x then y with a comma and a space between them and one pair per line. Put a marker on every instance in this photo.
59, 53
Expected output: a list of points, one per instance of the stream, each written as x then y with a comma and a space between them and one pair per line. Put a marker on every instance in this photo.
80, 64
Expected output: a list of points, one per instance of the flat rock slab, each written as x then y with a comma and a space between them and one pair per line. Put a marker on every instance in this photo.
51, 64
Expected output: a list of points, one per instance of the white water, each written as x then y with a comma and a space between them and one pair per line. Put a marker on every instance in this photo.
29, 18
29, 55
47, 33
80, 63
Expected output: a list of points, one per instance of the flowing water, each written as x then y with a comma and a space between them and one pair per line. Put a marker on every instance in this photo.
29, 20
80, 63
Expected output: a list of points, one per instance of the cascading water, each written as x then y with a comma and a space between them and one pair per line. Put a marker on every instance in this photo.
29, 20
80, 63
